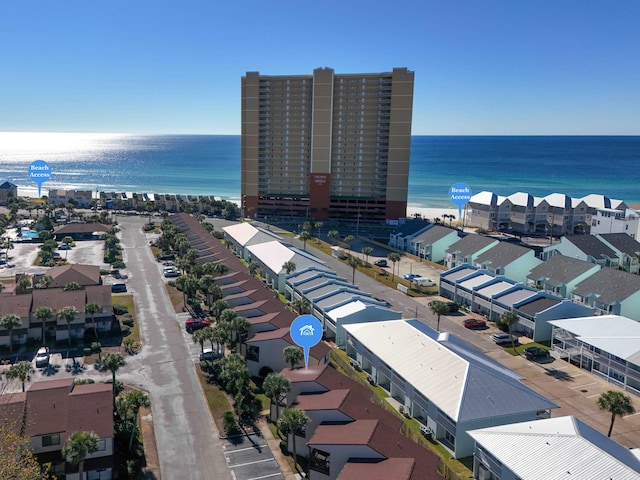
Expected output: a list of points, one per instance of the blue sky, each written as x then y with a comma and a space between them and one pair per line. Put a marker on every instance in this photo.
512, 67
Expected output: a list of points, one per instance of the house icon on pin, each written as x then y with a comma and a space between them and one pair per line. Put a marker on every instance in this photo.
306, 331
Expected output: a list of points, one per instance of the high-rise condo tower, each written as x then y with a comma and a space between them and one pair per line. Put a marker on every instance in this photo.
326, 146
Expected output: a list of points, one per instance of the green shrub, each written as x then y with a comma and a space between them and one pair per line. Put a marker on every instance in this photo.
87, 351
125, 330
119, 309
230, 424
118, 264
96, 347
128, 322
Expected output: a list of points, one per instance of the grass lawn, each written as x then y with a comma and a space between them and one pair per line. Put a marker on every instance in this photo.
127, 301
177, 299
216, 399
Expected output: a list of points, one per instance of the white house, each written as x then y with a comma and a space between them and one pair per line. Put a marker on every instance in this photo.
550, 449
240, 235
445, 384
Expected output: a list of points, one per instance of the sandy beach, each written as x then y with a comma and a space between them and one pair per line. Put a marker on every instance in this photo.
433, 213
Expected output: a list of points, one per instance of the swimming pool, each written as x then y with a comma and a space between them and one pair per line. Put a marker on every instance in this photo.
26, 233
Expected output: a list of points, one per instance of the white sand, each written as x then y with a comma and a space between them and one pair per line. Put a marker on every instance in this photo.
433, 213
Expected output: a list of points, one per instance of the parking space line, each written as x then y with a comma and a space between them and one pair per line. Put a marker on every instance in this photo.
266, 476
252, 463
582, 386
245, 449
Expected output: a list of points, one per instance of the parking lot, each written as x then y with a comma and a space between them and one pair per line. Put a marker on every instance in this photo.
249, 458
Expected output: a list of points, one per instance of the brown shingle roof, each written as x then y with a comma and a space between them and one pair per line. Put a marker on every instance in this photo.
73, 228
57, 298
395, 468
81, 274
100, 294
358, 432
19, 305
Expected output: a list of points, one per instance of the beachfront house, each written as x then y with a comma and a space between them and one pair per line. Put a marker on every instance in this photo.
7, 191
448, 386
489, 211
609, 220
521, 219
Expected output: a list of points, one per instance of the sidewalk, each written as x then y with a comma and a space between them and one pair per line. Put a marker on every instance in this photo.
274, 446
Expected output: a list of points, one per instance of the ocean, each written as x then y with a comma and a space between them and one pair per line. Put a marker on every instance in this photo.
210, 164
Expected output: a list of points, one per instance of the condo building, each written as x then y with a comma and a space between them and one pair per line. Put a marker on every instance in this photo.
326, 145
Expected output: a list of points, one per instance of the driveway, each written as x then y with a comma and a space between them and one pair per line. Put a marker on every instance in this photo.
250, 458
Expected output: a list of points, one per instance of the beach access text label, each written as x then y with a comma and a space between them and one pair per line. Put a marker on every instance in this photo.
39, 172
306, 331
460, 194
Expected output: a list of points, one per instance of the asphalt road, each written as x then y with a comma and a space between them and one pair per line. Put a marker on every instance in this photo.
186, 437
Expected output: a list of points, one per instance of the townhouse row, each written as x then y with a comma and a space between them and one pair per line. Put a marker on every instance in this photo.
556, 214
25, 305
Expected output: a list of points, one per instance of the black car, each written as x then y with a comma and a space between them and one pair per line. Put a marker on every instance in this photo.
118, 288
533, 353
380, 263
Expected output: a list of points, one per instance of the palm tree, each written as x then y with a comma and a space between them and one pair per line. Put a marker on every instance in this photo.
220, 269
112, 362
366, 251
276, 387
77, 447
289, 266
21, 371
354, 262
68, 314
348, 240
301, 305
438, 308
293, 422
45, 281
617, 404
72, 286
305, 236
293, 355
220, 306
333, 234
91, 309
240, 326
199, 336
394, 258
9, 322
509, 319
43, 314
129, 405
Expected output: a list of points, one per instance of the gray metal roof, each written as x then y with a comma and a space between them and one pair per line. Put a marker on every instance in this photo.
609, 285
460, 380
538, 305
517, 296
435, 233
591, 246
502, 254
622, 242
560, 270
410, 227
471, 244
454, 275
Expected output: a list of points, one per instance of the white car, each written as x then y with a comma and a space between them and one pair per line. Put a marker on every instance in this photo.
42, 357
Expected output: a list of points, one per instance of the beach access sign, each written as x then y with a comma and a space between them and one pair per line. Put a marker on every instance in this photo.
460, 194
39, 172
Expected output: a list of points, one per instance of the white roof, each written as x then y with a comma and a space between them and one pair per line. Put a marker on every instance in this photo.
614, 334
494, 289
241, 232
558, 200
557, 448
274, 254
520, 199
476, 281
461, 381
484, 198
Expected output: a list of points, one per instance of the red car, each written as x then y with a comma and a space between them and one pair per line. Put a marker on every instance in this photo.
194, 324
474, 323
